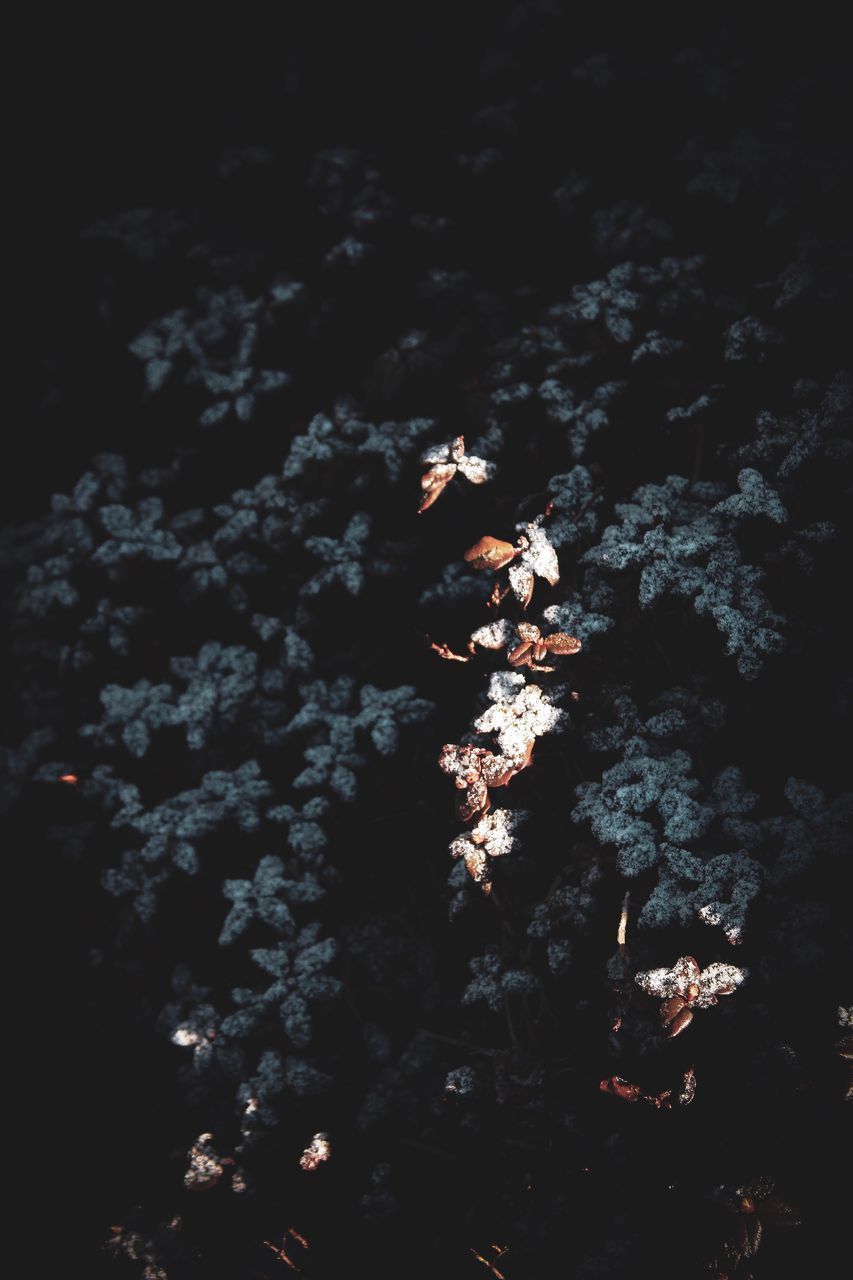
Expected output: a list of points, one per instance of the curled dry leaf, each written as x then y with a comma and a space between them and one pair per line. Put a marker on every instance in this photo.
434, 482
618, 1087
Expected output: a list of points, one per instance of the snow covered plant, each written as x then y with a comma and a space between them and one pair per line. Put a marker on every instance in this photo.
533, 556
492, 837
686, 987
518, 714
526, 645
444, 461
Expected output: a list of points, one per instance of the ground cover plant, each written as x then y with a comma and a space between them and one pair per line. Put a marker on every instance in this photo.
424, 599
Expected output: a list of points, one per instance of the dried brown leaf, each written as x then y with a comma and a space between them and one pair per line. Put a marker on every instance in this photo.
434, 482
521, 654
490, 553
562, 643
619, 1088
678, 1024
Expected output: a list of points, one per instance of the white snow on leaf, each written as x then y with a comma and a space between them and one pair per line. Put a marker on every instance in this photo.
495, 635
452, 453
717, 979
492, 837
519, 713
205, 1166
540, 555
477, 470
521, 580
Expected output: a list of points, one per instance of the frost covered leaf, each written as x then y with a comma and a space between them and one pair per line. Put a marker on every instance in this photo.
685, 987
434, 482
681, 535
495, 635
174, 829
346, 558
518, 715
132, 714
446, 460
525, 643
266, 898
561, 643
318, 1151
336, 728
533, 646
537, 559
717, 890
756, 498
492, 981
297, 968
492, 837
205, 1167
474, 770
688, 1087
686, 979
